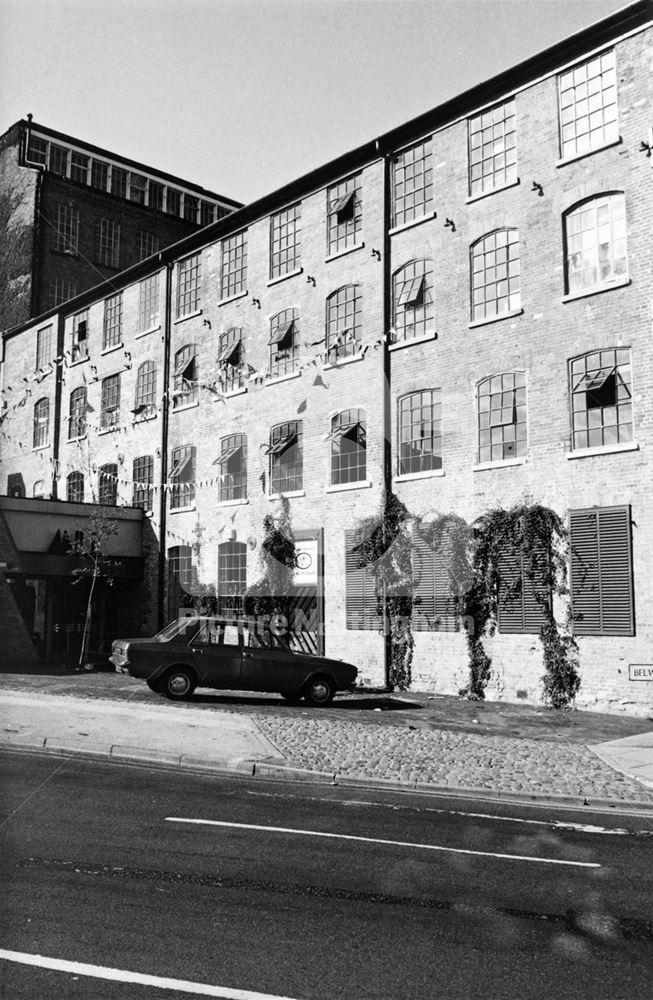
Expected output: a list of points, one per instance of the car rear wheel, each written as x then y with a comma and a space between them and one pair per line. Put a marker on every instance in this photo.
178, 683
319, 690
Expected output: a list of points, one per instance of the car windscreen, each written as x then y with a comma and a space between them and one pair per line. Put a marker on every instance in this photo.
180, 626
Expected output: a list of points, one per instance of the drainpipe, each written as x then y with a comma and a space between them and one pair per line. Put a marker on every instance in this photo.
36, 305
386, 264
163, 499
58, 394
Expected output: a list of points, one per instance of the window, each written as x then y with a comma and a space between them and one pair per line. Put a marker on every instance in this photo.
595, 236
284, 342
99, 175
173, 201
435, 606
38, 490
231, 358
110, 402
207, 213
285, 241
420, 432
413, 310
180, 579
44, 347
156, 196
145, 400
496, 273
233, 468
520, 597
148, 303
79, 168
234, 265
143, 482
182, 477
360, 588
191, 208
148, 243
75, 487
348, 447
344, 215
58, 159
232, 577
343, 322
601, 399
37, 151
60, 290
77, 413
108, 485
285, 451
80, 336
108, 244
188, 286
492, 149
601, 571
137, 188
502, 417
65, 238
41, 429
186, 375
119, 182
412, 183
112, 336
588, 105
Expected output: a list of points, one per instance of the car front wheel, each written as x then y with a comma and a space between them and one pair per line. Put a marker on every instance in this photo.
178, 683
319, 690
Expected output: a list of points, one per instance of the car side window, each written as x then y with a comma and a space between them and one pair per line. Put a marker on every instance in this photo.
210, 634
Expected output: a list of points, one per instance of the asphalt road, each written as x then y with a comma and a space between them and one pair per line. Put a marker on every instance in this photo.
310, 893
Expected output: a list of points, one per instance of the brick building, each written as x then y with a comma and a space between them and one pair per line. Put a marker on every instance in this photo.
75, 215
459, 311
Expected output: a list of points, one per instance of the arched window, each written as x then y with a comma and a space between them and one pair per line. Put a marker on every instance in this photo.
182, 476
284, 342
343, 322
348, 447
496, 275
502, 417
413, 310
186, 374
145, 399
232, 461
601, 390
180, 580
41, 427
143, 482
595, 243
232, 577
231, 358
286, 457
420, 432
38, 490
110, 402
108, 484
75, 487
77, 413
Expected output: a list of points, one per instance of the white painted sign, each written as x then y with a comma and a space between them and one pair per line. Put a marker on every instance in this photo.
640, 671
305, 569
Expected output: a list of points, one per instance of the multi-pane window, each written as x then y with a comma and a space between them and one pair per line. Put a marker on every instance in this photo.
108, 484
119, 182
412, 183
595, 236
502, 417
80, 336
41, 427
285, 241
65, 238
231, 358
79, 168
492, 148
112, 330
60, 290
143, 482
601, 399
156, 193
191, 207
77, 413
137, 188
75, 487
38, 490
344, 214
110, 402
37, 151
207, 213
148, 303
182, 477
343, 322
361, 604
58, 159
420, 432
148, 243
99, 175
521, 597
185, 374
284, 342
413, 309
180, 579
286, 461
496, 275
108, 243
232, 461
173, 201
145, 399
234, 265
44, 346
188, 285
601, 579
588, 105
232, 577
348, 447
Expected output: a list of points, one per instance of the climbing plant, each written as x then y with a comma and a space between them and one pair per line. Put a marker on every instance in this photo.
269, 595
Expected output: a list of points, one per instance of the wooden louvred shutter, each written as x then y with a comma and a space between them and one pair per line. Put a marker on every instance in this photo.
360, 589
601, 571
518, 610
434, 607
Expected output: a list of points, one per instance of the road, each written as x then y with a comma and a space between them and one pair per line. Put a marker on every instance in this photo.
224, 888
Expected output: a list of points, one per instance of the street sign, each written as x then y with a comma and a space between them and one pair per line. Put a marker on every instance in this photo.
640, 671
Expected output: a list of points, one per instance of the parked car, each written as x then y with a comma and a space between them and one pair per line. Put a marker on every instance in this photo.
228, 655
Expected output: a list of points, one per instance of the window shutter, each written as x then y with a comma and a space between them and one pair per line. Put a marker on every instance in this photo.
519, 611
361, 606
601, 571
435, 610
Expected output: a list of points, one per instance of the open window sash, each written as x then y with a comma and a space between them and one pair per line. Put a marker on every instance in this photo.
412, 292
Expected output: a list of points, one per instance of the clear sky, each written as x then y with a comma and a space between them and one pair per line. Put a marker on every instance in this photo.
242, 96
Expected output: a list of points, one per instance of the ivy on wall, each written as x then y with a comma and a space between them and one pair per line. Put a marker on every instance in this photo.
269, 595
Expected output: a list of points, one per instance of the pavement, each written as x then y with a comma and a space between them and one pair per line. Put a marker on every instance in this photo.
414, 741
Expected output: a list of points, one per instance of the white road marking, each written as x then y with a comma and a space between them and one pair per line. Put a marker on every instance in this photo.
555, 824
122, 976
376, 840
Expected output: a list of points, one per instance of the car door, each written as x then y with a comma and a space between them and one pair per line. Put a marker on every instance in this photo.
267, 663
217, 655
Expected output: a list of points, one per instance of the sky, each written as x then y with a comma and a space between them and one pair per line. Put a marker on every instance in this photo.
242, 96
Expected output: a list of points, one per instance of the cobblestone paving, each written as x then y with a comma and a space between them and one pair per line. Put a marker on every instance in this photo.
448, 759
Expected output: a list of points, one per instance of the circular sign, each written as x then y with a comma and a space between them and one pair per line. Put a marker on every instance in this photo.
303, 560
